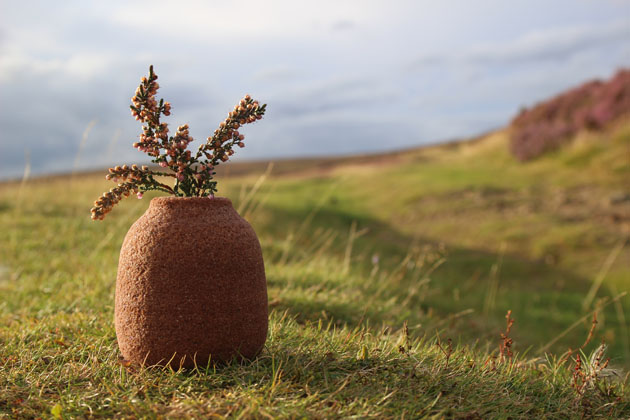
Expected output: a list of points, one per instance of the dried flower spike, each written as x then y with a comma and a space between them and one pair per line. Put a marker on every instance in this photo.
193, 175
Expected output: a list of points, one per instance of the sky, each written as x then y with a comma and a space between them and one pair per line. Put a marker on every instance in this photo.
339, 77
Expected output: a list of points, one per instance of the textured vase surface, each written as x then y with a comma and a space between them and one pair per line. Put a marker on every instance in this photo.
191, 285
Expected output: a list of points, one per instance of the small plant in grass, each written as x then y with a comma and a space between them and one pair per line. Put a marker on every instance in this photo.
587, 371
193, 174
447, 349
505, 348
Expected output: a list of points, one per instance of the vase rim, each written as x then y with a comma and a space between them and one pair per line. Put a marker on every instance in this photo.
169, 201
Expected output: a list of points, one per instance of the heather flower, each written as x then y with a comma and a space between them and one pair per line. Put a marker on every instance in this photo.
193, 175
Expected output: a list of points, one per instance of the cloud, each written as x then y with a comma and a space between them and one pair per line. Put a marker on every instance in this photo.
276, 74
555, 44
429, 60
343, 25
244, 20
349, 96
552, 44
79, 68
332, 136
47, 103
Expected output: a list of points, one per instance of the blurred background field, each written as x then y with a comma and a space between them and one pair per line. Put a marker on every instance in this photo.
447, 238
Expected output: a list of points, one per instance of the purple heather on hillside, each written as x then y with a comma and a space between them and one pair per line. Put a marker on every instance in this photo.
552, 123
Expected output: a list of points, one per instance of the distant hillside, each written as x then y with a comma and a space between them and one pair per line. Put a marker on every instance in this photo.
552, 123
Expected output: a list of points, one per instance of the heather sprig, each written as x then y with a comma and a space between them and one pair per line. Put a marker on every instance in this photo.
193, 175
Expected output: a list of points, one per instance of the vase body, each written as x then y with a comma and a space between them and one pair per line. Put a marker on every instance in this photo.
191, 285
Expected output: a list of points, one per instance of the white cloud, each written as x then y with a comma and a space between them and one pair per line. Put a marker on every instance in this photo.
250, 20
75, 68
276, 74
552, 44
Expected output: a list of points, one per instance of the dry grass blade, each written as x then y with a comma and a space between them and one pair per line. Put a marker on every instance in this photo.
580, 321
610, 260
247, 199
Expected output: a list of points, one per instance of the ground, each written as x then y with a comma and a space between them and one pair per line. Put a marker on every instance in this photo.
389, 278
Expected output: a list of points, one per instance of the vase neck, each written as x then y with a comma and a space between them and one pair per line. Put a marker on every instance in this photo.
189, 203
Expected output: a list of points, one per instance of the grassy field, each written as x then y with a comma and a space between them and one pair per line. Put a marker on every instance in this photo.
389, 281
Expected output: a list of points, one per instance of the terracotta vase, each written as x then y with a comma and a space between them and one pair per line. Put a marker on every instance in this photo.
191, 285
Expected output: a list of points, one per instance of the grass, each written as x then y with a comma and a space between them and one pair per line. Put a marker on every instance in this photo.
371, 263
67, 366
